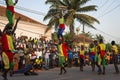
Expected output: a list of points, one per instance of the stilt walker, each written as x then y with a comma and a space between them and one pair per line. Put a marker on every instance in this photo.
62, 46
8, 48
7, 41
10, 12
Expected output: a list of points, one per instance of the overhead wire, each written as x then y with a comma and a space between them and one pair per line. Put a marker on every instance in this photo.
27, 10
111, 10
43, 14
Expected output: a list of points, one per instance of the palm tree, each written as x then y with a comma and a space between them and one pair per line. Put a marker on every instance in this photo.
75, 10
99, 36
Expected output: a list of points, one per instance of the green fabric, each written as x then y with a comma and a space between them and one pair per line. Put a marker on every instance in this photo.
11, 65
103, 62
61, 20
62, 60
10, 17
10, 3
96, 57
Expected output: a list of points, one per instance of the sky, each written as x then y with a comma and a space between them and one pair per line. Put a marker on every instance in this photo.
108, 13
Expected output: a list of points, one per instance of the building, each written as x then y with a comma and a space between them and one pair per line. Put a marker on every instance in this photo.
82, 40
26, 26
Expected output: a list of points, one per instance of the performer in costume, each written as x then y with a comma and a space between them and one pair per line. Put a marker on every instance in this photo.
102, 51
62, 56
92, 56
61, 26
8, 48
114, 50
97, 56
10, 11
81, 57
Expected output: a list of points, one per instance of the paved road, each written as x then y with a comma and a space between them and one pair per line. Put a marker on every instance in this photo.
72, 74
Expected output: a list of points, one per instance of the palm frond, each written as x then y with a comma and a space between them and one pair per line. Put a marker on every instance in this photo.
82, 2
51, 1
87, 18
50, 24
87, 8
52, 13
67, 2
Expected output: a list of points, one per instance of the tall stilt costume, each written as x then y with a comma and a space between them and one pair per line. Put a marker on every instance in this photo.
62, 47
10, 11
61, 27
8, 48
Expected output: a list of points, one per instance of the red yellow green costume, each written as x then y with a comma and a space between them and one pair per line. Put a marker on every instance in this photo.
7, 47
10, 11
62, 53
102, 54
61, 27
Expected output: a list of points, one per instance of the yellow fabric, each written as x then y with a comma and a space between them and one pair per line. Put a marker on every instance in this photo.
5, 60
115, 49
61, 20
92, 49
10, 43
95, 49
102, 46
81, 52
99, 60
60, 50
35, 41
37, 61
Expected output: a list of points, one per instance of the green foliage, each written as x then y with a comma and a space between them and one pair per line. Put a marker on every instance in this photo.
108, 47
69, 38
99, 36
118, 45
54, 36
75, 10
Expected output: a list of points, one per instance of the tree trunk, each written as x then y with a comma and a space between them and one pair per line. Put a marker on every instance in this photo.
83, 28
71, 30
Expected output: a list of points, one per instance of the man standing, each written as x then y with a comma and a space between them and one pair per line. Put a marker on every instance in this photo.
81, 57
114, 50
92, 56
101, 52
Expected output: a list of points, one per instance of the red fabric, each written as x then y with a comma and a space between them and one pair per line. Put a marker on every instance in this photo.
4, 42
64, 48
92, 53
62, 26
10, 56
11, 8
81, 56
102, 53
0, 44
